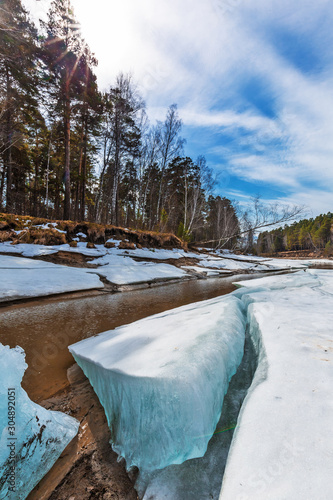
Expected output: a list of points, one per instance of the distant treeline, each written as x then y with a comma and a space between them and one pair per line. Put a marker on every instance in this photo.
71, 151
308, 234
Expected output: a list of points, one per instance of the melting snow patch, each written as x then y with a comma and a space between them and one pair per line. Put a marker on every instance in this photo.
37, 281
124, 270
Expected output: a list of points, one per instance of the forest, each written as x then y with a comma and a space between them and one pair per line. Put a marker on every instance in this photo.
69, 150
307, 234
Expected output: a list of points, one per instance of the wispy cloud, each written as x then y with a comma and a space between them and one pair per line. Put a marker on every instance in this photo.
253, 81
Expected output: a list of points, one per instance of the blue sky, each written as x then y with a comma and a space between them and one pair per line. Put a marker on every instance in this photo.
253, 81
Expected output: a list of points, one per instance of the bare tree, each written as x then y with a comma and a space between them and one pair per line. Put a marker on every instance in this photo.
148, 158
256, 216
170, 145
195, 200
123, 109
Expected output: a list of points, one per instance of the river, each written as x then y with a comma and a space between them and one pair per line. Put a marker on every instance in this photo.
46, 327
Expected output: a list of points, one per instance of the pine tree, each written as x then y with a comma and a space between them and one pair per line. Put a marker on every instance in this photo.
64, 54
18, 83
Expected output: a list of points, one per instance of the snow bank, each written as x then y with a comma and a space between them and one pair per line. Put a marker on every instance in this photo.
282, 446
32, 438
13, 262
18, 283
162, 380
124, 270
32, 250
220, 263
206, 271
27, 249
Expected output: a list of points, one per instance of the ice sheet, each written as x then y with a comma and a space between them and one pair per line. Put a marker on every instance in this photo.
282, 447
36, 282
12, 262
27, 250
124, 270
35, 438
162, 380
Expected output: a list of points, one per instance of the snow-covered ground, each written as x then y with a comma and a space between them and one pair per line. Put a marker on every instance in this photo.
31, 437
162, 370
124, 270
162, 380
283, 447
25, 277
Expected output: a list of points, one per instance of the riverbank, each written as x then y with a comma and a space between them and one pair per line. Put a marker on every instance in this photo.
42, 271
44, 310
88, 468
292, 371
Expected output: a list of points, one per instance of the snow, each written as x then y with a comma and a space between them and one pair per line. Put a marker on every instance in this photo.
31, 250
282, 446
124, 270
119, 267
162, 380
231, 255
291, 280
207, 271
47, 226
12, 262
126, 273
160, 254
40, 435
112, 240
18, 283
232, 265
146, 253
28, 250
81, 248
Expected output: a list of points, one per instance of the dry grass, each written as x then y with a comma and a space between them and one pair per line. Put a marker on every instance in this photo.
109, 244
90, 244
96, 233
6, 236
126, 245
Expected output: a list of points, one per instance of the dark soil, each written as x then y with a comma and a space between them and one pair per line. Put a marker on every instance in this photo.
71, 259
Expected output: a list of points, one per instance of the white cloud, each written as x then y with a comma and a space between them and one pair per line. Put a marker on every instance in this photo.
198, 54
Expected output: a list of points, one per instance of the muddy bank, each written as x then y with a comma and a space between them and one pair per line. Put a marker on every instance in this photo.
88, 467
68, 259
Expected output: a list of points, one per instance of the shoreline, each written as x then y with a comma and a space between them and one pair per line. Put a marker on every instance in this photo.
88, 467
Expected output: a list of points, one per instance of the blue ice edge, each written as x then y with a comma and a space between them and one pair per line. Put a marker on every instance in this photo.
165, 413
32, 438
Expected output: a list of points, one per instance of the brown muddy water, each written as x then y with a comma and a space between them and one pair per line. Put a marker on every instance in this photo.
45, 328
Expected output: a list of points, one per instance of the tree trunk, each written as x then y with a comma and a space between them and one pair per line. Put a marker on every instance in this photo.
35, 196
84, 171
78, 182
2, 184
8, 146
67, 201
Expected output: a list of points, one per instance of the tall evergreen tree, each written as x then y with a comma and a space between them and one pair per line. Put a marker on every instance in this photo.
18, 84
64, 52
